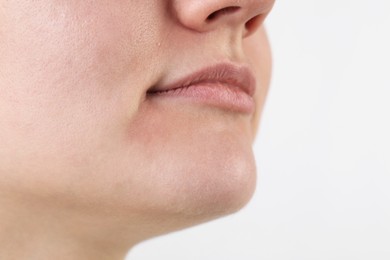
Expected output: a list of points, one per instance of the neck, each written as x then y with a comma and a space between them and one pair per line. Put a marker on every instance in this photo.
31, 232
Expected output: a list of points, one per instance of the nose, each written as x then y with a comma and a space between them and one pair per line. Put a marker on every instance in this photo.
208, 15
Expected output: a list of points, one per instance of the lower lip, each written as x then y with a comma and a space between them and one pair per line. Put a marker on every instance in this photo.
218, 95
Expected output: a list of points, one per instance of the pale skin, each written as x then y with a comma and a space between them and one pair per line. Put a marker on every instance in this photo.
89, 166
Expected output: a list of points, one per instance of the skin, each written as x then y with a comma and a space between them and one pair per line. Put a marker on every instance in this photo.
89, 164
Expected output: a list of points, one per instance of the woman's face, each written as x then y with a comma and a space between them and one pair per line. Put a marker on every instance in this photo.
82, 130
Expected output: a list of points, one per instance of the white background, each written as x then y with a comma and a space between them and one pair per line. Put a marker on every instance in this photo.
323, 151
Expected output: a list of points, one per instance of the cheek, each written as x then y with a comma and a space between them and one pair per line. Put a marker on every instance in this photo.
51, 66
65, 92
60, 60
61, 45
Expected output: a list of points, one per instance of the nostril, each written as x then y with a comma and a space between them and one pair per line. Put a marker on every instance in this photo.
223, 11
253, 23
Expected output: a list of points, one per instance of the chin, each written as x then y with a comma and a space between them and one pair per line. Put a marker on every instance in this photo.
225, 190
198, 168
209, 187
201, 192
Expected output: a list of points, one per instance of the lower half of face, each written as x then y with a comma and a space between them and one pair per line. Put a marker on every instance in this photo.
78, 129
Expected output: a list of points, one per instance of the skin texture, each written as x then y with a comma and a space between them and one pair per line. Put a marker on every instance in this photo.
89, 164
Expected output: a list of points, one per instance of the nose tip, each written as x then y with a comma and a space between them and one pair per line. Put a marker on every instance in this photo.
208, 15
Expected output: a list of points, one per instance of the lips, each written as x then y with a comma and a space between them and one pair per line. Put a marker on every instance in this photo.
226, 86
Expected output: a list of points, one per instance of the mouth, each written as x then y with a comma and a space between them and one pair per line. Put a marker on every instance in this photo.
226, 86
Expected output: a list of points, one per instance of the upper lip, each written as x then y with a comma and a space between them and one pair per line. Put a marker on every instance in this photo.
223, 73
